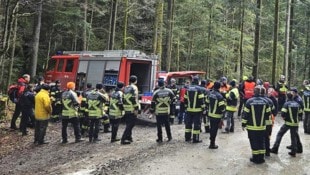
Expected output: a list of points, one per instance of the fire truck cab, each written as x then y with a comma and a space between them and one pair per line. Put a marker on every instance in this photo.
106, 67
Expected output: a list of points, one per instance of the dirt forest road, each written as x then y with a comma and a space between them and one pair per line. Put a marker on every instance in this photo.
145, 157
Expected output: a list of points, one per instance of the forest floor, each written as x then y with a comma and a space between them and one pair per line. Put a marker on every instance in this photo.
18, 154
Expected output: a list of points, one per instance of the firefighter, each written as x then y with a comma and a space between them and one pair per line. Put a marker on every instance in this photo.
176, 91
105, 117
289, 112
182, 112
95, 103
232, 101
131, 108
84, 120
247, 89
116, 109
306, 100
205, 117
224, 87
209, 84
56, 101
216, 108
195, 106
299, 100
281, 89
269, 123
70, 105
256, 112
161, 107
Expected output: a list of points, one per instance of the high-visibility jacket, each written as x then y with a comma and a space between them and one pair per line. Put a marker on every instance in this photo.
194, 99
290, 111
116, 105
161, 101
256, 112
248, 89
224, 89
216, 104
95, 101
130, 101
232, 99
281, 88
210, 85
43, 108
70, 104
306, 99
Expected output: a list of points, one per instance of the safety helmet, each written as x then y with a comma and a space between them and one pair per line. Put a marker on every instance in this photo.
223, 79
245, 78
259, 90
282, 77
70, 85
172, 80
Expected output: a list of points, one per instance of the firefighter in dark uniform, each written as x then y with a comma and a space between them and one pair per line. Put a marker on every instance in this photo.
131, 108
161, 106
256, 112
205, 118
105, 117
95, 102
84, 120
175, 91
116, 109
269, 123
306, 100
56, 101
289, 112
195, 105
281, 89
70, 105
216, 108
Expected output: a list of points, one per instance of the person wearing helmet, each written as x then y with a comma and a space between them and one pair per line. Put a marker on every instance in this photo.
176, 92
56, 101
205, 117
247, 89
241, 95
70, 105
281, 89
256, 112
224, 86
290, 111
232, 100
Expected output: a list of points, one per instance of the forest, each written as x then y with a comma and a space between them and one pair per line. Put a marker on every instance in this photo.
263, 38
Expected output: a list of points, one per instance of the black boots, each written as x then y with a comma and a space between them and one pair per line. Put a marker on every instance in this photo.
258, 159
274, 150
196, 138
213, 145
207, 129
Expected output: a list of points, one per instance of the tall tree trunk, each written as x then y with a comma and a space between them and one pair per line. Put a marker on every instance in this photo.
125, 26
169, 34
13, 47
256, 39
307, 59
156, 30
113, 24
36, 40
241, 40
291, 64
287, 38
85, 26
159, 16
91, 24
275, 41
208, 60
178, 54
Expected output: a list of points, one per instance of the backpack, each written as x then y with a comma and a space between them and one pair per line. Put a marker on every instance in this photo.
13, 92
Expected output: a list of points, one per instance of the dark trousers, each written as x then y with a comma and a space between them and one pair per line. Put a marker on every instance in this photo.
294, 135
257, 142
93, 128
75, 122
17, 111
267, 138
182, 113
192, 118
163, 120
306, 122
240, 108
114, 125
40, 130
281, 101
84, 124
230, 125
27, 114
214, 126
130, 120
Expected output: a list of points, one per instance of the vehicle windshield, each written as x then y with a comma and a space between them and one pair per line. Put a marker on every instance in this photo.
51, 65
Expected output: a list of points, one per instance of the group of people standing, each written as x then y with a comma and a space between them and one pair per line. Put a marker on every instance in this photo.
207, 101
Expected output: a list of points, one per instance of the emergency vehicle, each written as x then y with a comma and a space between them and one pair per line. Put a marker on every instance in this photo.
107, 67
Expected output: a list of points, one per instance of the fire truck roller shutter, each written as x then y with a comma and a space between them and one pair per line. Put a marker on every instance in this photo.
143, 72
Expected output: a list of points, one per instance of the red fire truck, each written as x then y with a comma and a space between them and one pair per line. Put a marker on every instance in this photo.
107, 67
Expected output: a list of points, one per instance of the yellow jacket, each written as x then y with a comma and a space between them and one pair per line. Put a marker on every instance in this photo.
43, 107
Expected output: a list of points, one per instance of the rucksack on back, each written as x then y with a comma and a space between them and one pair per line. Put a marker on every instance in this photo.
13, 93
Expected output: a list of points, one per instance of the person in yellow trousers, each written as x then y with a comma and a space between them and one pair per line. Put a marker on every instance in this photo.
43, 110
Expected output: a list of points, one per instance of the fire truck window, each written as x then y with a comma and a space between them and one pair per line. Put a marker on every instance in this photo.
51, 65
60, 65
69, 66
